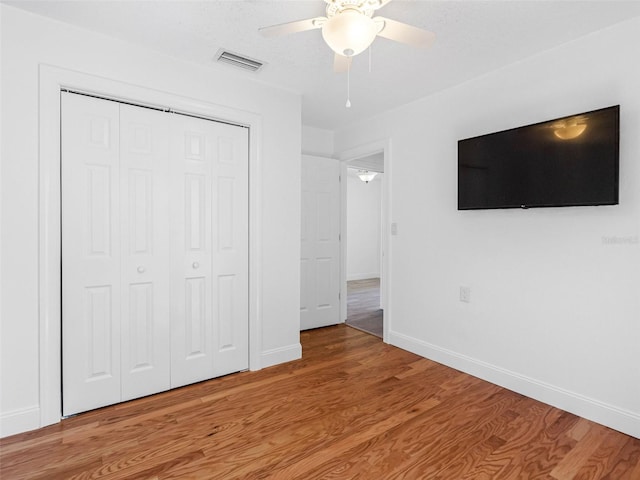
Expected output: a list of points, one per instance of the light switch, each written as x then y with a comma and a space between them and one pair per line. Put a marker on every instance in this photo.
465, 294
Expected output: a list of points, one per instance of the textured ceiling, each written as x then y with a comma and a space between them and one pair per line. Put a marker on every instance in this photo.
473, 37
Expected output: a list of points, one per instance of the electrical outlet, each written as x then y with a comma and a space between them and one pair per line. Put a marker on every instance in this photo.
465, 294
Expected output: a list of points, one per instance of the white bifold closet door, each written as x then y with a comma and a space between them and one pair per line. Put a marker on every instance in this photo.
154, 251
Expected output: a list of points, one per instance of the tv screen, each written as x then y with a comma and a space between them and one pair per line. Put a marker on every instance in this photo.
569, 161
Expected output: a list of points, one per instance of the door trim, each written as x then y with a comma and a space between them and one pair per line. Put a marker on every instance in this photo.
345, 156
52, 81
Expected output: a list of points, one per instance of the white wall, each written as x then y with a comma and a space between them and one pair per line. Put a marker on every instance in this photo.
555, 309
29, 41
317, 141
363, 226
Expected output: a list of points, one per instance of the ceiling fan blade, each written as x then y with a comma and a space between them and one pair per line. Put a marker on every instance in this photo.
341, 63
403, 33
292, 27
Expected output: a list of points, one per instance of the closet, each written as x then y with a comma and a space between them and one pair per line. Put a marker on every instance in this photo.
154, 251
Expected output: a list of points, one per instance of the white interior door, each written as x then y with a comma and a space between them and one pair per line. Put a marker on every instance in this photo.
155, 251
320, 243
91, 298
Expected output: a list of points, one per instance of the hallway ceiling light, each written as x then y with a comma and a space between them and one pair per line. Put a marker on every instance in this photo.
366, 176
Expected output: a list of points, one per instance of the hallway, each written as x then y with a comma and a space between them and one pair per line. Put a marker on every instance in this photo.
363, 306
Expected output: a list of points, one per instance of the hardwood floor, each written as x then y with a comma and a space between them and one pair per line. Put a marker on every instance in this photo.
353, 407
363, 305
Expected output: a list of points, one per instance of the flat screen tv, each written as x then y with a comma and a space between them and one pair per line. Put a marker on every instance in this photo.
569, 161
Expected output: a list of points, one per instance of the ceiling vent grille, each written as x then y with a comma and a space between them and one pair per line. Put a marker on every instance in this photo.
224, 56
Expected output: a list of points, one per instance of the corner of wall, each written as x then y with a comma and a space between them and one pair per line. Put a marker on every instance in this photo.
279, 355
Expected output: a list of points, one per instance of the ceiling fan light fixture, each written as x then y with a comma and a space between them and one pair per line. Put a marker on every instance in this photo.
349, 32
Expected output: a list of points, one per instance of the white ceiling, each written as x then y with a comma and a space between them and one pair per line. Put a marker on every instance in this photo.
473, 37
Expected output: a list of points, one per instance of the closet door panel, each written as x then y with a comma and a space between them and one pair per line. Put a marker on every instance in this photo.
144, 167
230, 267
190, 214
90, 253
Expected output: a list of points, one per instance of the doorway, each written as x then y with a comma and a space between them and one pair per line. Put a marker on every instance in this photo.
364, 257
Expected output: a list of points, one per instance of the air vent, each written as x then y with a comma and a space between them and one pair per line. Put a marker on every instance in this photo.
224, 56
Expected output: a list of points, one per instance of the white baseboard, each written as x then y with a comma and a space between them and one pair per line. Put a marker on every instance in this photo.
276, 356
362, 276
19, 420
609, 415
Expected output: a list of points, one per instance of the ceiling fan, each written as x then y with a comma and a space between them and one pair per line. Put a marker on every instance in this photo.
350, 27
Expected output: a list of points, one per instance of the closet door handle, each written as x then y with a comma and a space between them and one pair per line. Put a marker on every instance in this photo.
141, 269
195, 265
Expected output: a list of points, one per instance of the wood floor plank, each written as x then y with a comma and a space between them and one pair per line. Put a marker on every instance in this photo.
598, 464
353, 407
534, 444
569, 466
634, 472
425, 432
580, 429
450, 458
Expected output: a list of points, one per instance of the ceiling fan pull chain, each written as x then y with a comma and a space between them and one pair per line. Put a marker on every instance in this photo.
348, 104
370, 46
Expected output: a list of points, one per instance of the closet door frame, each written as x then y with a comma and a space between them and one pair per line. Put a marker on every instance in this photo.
52, 81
